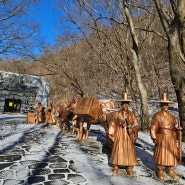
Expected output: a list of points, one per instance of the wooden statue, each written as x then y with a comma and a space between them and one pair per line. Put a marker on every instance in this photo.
66, 117
61, 109
123, 131
108, 112
39, 115
50, 114
89, 110
164, 132
30, 117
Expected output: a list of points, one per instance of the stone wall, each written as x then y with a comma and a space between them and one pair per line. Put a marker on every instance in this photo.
27, 89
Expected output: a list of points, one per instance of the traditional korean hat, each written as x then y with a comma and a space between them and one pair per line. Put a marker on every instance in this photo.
164, 98
124, 98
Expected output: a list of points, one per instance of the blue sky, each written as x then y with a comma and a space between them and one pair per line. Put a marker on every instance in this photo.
47, 16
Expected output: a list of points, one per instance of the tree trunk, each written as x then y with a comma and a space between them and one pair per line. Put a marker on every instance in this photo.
177, 69
136, 59
143, 94
174, 27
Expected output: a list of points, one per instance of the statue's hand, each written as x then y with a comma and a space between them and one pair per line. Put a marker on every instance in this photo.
111, 137
129, 131
155, 141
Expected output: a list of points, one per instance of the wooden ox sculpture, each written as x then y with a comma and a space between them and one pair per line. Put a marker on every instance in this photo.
108, 112
66, 115
88, 110
61, 114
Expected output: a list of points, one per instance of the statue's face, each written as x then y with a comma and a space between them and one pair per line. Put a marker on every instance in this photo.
164, 106
125, 105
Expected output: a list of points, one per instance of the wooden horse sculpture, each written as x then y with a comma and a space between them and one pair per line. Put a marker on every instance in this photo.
87, 110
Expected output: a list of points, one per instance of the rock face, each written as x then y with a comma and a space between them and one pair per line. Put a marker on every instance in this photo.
20, 91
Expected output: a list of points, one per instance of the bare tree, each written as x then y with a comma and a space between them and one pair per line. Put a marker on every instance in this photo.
114, 49
18, 34
124, 6
103, 39
72, 65
172, 16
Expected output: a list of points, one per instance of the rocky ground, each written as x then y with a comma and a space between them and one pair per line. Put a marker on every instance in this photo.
36, 154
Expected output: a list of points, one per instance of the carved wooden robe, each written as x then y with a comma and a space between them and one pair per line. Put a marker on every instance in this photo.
50, 115
39, 117
123, 151
163, 129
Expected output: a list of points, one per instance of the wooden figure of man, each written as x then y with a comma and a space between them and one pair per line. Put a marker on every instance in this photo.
39, 117
123, 131
164, 133
50, 114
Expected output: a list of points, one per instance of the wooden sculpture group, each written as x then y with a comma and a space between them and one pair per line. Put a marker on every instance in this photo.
122, 128
79, 111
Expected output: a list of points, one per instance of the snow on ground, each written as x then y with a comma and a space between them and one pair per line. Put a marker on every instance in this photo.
87, 160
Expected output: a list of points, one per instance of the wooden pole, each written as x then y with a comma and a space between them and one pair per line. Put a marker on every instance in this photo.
179, 138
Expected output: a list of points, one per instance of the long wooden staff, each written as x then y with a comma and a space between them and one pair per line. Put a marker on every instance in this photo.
179, 137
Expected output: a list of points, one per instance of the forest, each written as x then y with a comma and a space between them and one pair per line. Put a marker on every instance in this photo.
112, 47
